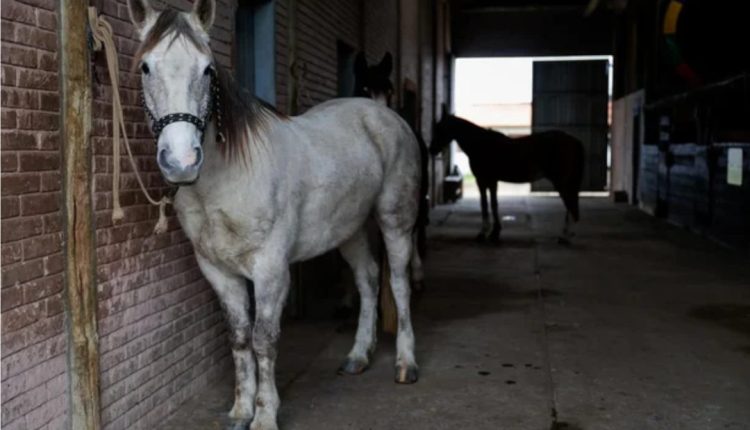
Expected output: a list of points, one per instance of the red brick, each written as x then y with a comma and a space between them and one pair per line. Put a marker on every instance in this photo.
51, 181
54, 305
20, 228
19, 55
19, 98
9, 162
37, 79
53, 264
11, 297
36, 204
52, 223
46, 328
20, 183
8, 31
35, 120
12, 252
48, 61
18, 140
16, 12
39, 161
10, 207
12, 343
21, 316
43, 287
8, 75
46, 20
49, 102
44, 4
22, 272
41, 246
8, 119
32, 36
49, 141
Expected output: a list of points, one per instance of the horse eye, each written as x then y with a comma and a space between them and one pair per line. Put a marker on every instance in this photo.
144, 68
208, 71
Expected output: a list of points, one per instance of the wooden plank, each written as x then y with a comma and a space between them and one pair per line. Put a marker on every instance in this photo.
80, 273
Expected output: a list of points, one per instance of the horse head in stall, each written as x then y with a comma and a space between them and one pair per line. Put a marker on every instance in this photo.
374, 81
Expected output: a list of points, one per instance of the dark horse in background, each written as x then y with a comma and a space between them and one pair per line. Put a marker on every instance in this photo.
494, 157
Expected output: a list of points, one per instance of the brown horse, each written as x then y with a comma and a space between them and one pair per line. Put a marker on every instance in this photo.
494, 157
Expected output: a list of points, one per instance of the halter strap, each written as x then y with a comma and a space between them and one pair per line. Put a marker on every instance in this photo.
214, 107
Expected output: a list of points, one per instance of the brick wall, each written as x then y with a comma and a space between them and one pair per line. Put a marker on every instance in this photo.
33, 341
161, 328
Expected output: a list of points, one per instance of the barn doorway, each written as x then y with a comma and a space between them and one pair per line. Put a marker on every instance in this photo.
520, 95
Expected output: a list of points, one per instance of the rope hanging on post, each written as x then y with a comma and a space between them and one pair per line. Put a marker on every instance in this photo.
102, 35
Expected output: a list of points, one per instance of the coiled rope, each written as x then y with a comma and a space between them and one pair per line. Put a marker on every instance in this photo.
101, 31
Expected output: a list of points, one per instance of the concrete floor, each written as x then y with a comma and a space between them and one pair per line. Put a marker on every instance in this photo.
637, 325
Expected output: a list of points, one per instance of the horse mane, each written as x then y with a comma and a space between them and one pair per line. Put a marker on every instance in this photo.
477, 128
242, 114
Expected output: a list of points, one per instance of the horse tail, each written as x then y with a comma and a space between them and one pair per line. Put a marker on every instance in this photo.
577, 180
423, 215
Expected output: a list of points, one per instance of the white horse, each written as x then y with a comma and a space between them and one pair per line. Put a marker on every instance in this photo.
274, 190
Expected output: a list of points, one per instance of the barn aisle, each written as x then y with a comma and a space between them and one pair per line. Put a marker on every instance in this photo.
638, 325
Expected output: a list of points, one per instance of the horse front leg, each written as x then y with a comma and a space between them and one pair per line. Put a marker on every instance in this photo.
496, 226
271, 288
485, 214
234, 299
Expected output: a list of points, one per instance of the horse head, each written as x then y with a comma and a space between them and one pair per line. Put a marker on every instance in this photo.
373, 81
179, 82
443, 134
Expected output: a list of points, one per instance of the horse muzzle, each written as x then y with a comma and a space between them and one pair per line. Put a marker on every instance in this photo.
182, 167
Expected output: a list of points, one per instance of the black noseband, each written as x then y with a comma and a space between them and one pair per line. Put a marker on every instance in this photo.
214, 107
158, 125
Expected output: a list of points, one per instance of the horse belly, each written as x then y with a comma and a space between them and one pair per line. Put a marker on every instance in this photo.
323, 227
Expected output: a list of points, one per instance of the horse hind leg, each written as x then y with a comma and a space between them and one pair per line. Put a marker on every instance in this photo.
570, 199
417, 271
398, 243
356, 252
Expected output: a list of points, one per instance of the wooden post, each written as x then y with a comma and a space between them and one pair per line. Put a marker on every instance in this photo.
80, 273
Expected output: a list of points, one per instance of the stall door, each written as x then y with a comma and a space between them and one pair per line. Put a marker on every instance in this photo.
572, 96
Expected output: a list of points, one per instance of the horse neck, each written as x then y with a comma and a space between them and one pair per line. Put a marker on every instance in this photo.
467, 135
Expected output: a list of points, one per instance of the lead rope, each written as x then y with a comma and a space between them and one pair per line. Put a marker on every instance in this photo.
102, 34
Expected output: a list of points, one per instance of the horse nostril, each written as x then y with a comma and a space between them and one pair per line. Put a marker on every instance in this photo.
163, 159
198, 156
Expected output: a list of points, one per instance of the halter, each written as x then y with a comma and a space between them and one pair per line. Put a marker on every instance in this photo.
214, 107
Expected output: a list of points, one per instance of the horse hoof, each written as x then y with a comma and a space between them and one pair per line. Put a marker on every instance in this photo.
266, 422
353, 366
564, 241
238, 424
481, 238
495, 239
407, 374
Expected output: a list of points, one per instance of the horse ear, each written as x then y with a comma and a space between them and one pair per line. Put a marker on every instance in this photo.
360, 64
386, 64
141, 15
205, 12
444, 110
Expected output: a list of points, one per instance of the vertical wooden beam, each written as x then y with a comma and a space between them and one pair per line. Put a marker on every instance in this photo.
80, 273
